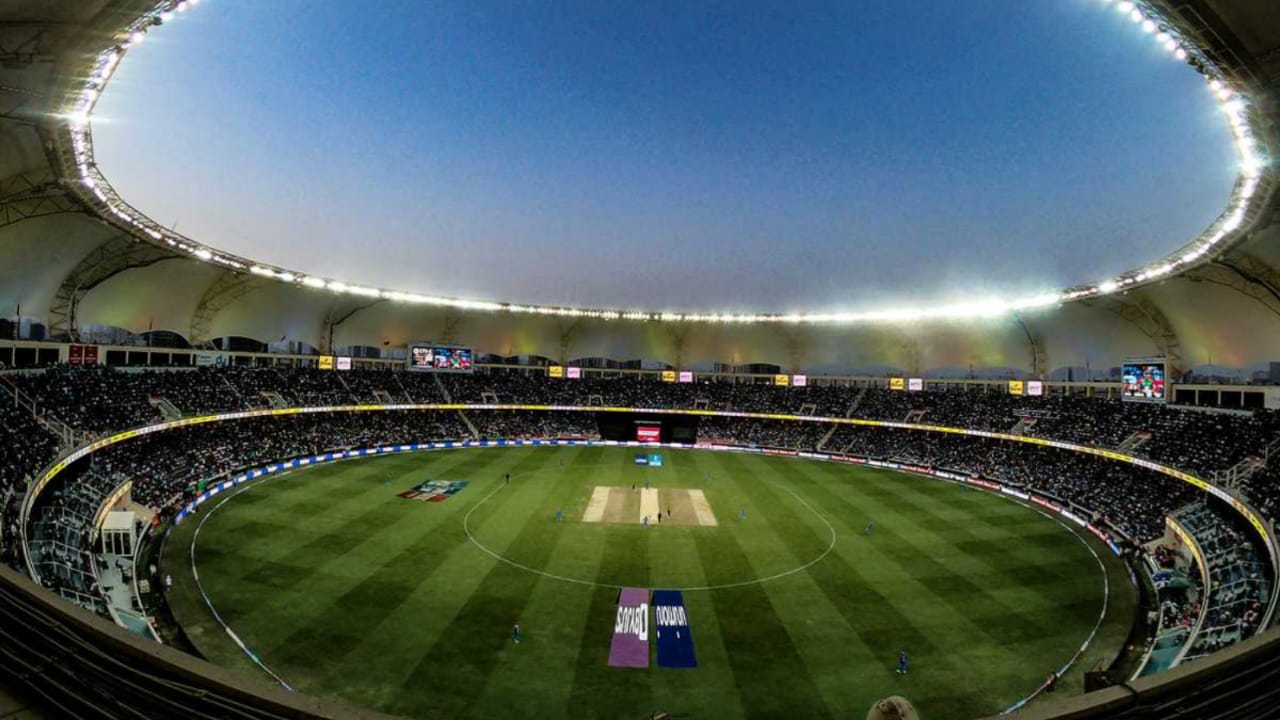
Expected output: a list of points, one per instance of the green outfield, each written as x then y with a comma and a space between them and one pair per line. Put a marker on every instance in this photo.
347, 590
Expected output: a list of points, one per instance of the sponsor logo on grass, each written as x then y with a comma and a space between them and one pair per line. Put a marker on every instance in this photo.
671, 628
435, 490
630, 647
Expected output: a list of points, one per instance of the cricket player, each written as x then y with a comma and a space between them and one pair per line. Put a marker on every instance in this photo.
868, 530
515, 632
559, 515
902, 661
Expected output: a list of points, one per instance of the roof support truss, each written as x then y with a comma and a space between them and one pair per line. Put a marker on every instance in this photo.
1136, 308
32, 195
1245, 274
117, 255
228, 288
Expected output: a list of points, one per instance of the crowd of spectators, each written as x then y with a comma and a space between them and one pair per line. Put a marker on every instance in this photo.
25, 448
166, 467
1239, 584
522, 424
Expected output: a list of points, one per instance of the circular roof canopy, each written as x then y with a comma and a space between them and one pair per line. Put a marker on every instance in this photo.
847, 157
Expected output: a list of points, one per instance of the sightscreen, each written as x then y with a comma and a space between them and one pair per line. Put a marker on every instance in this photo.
1143, 380
439, 358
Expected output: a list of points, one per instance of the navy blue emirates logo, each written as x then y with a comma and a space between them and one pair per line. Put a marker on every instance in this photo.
671, 630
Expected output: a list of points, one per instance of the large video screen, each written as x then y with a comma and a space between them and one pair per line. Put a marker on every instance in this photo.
1142, 380
439, 358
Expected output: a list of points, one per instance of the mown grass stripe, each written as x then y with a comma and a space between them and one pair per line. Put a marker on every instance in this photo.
772, 679
470, 645
327, 635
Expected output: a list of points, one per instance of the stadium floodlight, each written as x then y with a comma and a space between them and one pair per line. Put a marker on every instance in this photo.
79, 103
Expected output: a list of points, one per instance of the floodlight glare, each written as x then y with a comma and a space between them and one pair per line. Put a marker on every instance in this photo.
79, 102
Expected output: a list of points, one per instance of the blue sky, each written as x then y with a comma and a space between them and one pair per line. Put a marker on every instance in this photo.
690, 155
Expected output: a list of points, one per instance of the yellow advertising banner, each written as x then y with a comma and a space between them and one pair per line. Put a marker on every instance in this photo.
897, 383
1016, 387
783, 380
555, 371
326, 362
668, 376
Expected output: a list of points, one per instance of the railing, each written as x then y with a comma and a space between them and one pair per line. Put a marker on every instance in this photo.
1197, 554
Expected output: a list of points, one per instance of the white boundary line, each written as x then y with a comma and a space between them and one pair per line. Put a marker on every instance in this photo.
209, 602
1106, 581
1106, 584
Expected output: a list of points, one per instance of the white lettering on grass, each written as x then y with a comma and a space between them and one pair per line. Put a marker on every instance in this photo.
670, 616
633, 620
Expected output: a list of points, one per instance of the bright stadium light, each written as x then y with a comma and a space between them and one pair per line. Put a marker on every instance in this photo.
78, 105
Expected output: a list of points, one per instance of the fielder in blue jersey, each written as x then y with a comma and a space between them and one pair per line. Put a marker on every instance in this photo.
868, 530
515, 632
902, 661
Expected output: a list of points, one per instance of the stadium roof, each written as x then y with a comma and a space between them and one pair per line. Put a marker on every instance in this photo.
50, 49
1253, 187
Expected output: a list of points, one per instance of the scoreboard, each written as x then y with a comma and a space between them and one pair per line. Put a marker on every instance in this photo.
439, 358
